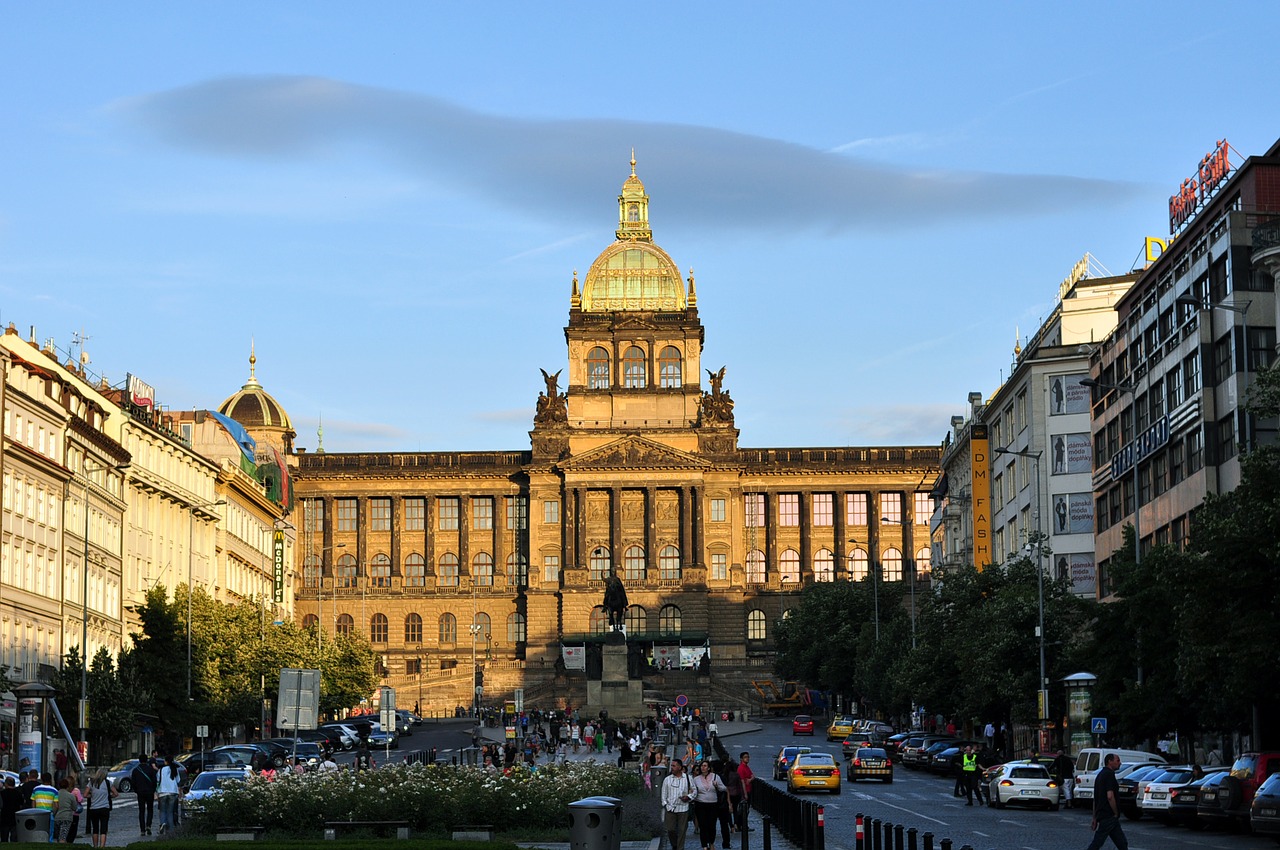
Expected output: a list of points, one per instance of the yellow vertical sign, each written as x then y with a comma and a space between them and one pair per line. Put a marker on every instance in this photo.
979, 452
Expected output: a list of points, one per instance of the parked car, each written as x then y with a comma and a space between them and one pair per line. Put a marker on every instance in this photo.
1184, 803
311, 736
814, 772
1153, 787
924, 759
1227, 801
277, 754
245, 755
840, 727
197, 763
1264, 814
893, 742
346, 734
782, 764
1089, 762
208, 784
310, 752
1128, 794
855, 741
946, 760
913, 754
119, 776
870, 763
802, 725
1023, 784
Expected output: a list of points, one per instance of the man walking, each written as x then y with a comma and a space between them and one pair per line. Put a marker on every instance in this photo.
677, 792
1106, 806
144, 781
747, 775
969, 775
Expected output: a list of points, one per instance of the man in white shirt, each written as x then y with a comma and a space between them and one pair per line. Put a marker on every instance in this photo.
677, 792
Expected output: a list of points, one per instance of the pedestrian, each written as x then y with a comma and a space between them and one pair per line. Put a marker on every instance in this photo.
168, 791
101, 792
79, 795
733, 782
59, 764
1106, 806
1064, 772
143, 780
969, 774
989, 732
10, 802
677, 793
64, 809
746, 775
30, 780
986, 759
706, 804
328, 765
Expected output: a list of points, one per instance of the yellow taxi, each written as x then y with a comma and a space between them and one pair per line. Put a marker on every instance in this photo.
814, 772
840, 727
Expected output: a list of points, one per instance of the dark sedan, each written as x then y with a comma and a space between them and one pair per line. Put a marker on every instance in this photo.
1264, 815
1184, 804
1128, 795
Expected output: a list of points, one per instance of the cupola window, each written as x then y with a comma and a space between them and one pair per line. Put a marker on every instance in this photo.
669, 368
634, 375
598, 369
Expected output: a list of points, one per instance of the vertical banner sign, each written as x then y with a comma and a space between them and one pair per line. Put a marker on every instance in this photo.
980, 454
30, 736
277, 565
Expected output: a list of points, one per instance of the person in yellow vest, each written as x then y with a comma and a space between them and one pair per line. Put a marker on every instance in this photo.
969, 774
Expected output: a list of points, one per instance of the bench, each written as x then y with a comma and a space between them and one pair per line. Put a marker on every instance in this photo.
473, 832
381, 828
241, 833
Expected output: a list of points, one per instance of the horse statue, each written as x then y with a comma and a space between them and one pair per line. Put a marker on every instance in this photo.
615, 602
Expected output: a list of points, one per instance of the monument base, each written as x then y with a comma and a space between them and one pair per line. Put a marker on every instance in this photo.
615, 692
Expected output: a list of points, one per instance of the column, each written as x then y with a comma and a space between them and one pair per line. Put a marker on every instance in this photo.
699, 529
615, 529
650, 532
499, 528
770, 532
687, 558
580, 526
429, 513
326, 546
464, 538
397, 504
838, 517
362, 539
806, 533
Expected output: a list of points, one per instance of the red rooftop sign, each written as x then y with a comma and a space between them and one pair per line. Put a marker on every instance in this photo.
1196, 190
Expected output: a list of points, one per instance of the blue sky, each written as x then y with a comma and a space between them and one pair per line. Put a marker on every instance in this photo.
390, 199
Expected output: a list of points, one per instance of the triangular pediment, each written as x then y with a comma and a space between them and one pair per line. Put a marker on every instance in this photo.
639, 321
635, 453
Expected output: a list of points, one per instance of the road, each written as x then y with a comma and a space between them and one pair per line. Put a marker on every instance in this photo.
924, 801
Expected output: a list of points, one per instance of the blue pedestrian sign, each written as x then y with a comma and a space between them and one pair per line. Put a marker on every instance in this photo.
1098, 726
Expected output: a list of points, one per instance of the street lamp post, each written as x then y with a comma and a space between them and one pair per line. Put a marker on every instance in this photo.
191, 558
1042, 696
1137, 492
1243, 312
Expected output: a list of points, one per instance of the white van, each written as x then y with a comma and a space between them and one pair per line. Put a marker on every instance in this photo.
1089, 762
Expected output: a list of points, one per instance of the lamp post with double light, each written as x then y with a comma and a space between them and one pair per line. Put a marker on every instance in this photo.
1042, 693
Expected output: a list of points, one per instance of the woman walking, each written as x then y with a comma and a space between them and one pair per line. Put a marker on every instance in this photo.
101, 793
707, 789
167, 793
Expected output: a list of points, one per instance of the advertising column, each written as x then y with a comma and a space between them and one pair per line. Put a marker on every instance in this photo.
30, 733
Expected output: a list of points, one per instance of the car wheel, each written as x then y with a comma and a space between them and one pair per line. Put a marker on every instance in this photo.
124, 786
888, 781
835, 790
997, 802
278, 761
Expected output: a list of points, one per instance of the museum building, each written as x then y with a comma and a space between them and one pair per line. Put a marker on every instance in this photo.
491, 564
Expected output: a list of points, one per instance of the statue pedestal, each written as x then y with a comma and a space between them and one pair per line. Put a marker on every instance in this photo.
615, 691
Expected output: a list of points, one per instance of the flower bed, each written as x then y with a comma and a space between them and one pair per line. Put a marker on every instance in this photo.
432, 798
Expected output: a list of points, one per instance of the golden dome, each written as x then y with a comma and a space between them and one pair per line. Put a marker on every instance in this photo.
633, 273
253, 407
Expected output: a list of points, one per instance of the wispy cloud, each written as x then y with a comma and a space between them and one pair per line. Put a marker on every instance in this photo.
552, 246
901, 141
711, 178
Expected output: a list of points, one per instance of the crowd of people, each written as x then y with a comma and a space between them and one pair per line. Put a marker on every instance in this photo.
65, 798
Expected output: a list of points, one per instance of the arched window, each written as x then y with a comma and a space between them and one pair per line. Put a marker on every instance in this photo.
515, 628
633, 563
669, 368
824, 566
485, 632
311, 571
413, 629
378, 629
789, 566
448, 629
345, 625
415, 571
380, 571
669, 562
482, 569
755, 567
858, 565
600, 563
634, 374
310, 621
517, 570
891, 565
637, 620
599, 620
598, 369
347, 571
447, 574
755, 624
924, 561
669, 621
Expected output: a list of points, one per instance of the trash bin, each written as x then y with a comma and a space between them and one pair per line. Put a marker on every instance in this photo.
657, 773
591, 824
615, 840
33, 826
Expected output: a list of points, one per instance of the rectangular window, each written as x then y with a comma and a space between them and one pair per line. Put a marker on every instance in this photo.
482, 513
1222, 365
997, 490
413, 666
822, 510
719, 566
346, 514
891, 508
855, 509
1191, 375
1173, 388
415, 514
1160, 472
1261, 348
313, 515
1195, 451
717, 510
517, 513
923, 508
1022, 411
753, 507
449, 513
1226, 437
551, 569
551, 511
789, 509
1177, 463
379, 514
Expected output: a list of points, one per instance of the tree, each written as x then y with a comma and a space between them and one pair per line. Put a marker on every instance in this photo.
160, 660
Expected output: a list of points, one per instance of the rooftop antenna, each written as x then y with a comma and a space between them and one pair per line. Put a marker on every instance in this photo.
78, 339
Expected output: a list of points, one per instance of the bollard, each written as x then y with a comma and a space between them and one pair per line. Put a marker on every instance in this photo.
945, 844
875, 834
888, 836
897, 837
768, 838
821, 842
928, 841
857, 833
911, 838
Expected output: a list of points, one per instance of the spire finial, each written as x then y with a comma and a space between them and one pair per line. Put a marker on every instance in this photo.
633, 162
320, 435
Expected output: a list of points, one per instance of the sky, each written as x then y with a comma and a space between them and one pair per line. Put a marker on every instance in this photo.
388, 200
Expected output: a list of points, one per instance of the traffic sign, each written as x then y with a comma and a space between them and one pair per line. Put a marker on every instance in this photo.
1098, 726
682, 700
